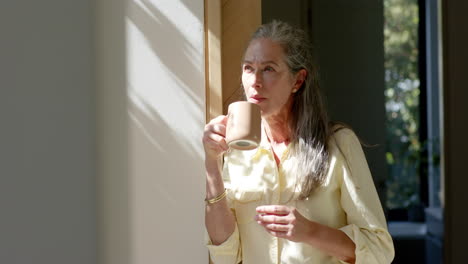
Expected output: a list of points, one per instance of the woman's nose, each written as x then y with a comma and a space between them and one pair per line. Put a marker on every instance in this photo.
257, 79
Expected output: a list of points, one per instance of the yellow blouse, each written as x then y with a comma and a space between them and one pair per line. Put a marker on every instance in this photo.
347, 201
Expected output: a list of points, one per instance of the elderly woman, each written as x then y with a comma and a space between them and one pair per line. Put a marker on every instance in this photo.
305, 195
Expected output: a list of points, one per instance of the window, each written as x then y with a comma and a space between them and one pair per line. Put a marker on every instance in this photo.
405, 114
412, 107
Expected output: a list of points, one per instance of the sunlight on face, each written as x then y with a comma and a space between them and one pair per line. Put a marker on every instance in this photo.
266, 77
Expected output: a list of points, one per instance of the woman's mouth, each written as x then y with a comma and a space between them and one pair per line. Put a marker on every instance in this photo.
256, 99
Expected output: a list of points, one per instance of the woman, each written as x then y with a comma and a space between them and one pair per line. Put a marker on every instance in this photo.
306, 194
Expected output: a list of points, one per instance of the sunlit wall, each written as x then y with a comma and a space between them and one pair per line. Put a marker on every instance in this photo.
151, 109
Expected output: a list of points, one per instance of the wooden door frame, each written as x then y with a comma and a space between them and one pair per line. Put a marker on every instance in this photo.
228, 27
213, 62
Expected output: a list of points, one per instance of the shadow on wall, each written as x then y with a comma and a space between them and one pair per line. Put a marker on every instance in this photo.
166, 118
112, 134
164, 38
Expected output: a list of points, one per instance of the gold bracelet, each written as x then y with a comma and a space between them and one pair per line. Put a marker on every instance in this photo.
217, 198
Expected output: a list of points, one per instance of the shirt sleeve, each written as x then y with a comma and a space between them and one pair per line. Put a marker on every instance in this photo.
366, 221
228, 252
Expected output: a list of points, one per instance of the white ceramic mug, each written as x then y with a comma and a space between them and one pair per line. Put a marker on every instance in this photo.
243, 130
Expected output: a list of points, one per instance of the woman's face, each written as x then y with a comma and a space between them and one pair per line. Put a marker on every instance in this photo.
266, 77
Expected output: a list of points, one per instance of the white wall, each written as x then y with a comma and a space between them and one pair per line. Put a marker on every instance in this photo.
134, 120
47, 115
151, 109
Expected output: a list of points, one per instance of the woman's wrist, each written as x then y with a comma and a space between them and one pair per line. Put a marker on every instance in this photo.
312, 232
212, 165
331, 240
214, 182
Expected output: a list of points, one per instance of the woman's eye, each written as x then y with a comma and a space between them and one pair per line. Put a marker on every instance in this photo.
248, 68
269, 69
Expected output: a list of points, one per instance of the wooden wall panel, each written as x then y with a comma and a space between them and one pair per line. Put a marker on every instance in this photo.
240, 19
213, 62
228, 26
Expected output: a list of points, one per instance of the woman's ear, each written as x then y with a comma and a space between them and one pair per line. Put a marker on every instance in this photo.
299, 80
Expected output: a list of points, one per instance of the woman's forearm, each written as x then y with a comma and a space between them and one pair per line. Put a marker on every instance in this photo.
332, 241
219, 220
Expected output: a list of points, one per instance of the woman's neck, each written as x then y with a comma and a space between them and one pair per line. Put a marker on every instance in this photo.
278, 133
277, 128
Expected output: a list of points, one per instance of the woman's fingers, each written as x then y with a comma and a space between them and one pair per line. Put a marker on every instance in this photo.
276, 227
214, 136
273, 209
278, 233
218, 140
277, 214
222, 119
283, 221
277, 230
219, 129
214, 146
217, 125
277, 219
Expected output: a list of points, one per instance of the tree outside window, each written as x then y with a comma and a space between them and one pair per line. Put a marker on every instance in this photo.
402, 103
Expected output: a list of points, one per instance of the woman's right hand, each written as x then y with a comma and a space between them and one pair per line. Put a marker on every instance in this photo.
214, 138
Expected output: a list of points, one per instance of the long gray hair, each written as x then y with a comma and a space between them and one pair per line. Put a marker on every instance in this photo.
309, 124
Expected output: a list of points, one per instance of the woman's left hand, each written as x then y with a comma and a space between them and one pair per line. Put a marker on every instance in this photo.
284, 222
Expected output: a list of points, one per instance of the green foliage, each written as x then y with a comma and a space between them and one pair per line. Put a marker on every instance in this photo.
402, 102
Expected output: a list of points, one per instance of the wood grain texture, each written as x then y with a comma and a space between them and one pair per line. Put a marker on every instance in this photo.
228, 27
213, 58
240, 19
